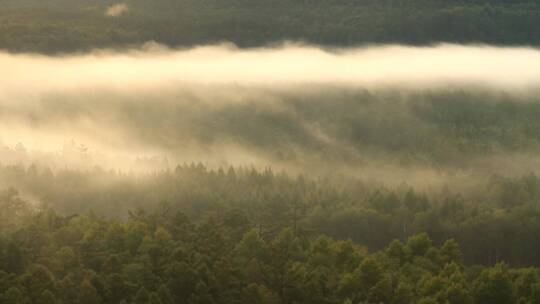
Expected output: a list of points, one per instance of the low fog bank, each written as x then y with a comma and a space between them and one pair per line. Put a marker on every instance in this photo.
156, 67
425, 115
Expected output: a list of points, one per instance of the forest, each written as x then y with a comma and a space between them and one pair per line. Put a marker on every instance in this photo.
242, 236
308, 190
269, 152
60, 26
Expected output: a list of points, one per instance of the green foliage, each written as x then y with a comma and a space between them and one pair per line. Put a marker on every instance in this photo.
484, 228
217, 264
60, 25
46, 297
142, 296
88, 293
494, 286
13, 295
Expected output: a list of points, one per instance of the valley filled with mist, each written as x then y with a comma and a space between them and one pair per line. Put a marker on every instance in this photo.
196, 154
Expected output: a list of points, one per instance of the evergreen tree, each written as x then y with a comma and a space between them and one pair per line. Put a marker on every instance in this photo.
88, 293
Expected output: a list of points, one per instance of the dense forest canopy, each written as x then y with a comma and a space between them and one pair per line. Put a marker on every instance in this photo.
494, 219
164, 257
57, 26
269, 152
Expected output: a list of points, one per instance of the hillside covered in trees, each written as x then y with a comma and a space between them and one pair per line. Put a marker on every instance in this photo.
269, 152
225, 257
496, 219
54, 26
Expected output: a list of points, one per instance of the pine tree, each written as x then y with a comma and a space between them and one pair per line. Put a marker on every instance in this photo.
47, 297
165, 295
13, 295
154, 299
88, 293
142, 296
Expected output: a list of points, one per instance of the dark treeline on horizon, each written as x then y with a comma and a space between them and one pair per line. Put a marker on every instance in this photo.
58, 26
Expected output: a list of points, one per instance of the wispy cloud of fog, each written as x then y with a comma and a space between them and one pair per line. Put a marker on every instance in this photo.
116, 10
154, 68
300, 108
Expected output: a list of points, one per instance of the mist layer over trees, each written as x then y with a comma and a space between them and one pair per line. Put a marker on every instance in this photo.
363, 113
137, 172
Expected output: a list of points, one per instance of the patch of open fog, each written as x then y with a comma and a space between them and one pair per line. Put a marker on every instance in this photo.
295, 107
393, 65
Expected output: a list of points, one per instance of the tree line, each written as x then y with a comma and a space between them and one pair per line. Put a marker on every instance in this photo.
57, 26
165, 257
494, 219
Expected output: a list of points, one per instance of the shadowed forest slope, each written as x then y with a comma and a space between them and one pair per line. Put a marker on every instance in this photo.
63, 26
